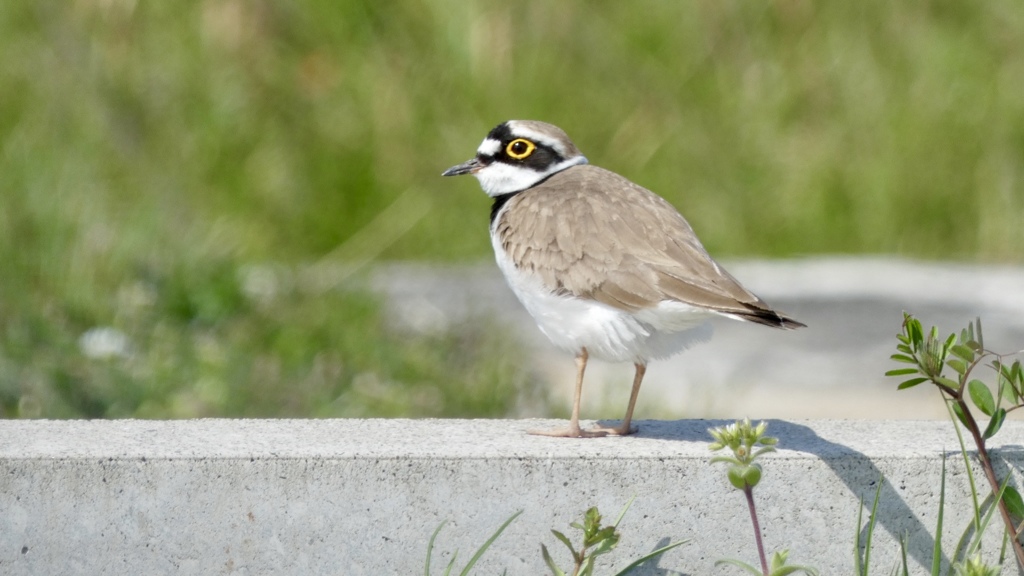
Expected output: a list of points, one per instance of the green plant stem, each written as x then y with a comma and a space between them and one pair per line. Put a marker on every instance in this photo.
749, 493
990, 474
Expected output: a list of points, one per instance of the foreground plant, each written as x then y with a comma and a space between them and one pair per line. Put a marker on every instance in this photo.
597, 540
975, 567
472, 561
747, 443
968, 549
930, 357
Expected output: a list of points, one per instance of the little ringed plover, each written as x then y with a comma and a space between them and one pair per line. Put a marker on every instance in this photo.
607, 269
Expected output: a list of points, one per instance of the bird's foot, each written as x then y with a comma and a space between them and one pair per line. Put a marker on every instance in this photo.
621, 430
570, 432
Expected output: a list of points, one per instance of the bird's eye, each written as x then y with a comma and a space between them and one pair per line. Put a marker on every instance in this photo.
520, 148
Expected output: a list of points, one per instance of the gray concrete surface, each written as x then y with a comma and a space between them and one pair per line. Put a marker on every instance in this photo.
363, 496
833, 369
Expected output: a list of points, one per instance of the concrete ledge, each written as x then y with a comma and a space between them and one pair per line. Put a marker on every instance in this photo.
363, 496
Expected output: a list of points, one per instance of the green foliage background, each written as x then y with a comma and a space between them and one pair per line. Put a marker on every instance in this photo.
153, 152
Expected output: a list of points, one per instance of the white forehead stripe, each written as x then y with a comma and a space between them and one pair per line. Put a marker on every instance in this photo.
538, 137
489, 147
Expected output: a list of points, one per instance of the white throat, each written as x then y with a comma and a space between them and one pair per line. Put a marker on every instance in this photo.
499, 178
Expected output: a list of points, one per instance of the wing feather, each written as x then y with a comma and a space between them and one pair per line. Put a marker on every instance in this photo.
593, 234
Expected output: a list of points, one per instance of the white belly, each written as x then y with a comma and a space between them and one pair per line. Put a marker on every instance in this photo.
606, 332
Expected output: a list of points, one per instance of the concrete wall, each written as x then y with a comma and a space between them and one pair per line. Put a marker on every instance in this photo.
363, 496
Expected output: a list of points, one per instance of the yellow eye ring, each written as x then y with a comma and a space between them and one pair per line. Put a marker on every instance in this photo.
520, 148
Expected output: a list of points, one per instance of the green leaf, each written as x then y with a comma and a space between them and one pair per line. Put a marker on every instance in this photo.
947, 383
604, 536
562, 538
739, 564
752, 475
963, 352
901, 371
746, 476
793, 569
778, 560
1014, 502
1015, 383
903, 358
555, 570
1006, 370
948, 343
727, 460
915, 332
995, 423
592, 520
1005, 389
904, 348
911, 383
735, 474
958, 365
981, 396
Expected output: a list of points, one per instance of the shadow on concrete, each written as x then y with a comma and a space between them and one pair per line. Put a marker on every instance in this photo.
894, 515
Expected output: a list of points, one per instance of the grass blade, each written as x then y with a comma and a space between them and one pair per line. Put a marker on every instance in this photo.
451, 565
858, 568
967, 461
903, 555
937, 550
430, 547
649, 556
487, 544
623, 513
871, 526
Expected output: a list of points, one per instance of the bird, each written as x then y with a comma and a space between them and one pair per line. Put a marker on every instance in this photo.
606, 268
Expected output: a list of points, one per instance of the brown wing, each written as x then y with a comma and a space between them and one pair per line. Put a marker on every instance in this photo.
593, 234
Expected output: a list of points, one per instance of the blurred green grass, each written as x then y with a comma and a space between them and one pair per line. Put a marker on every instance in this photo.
151, 153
